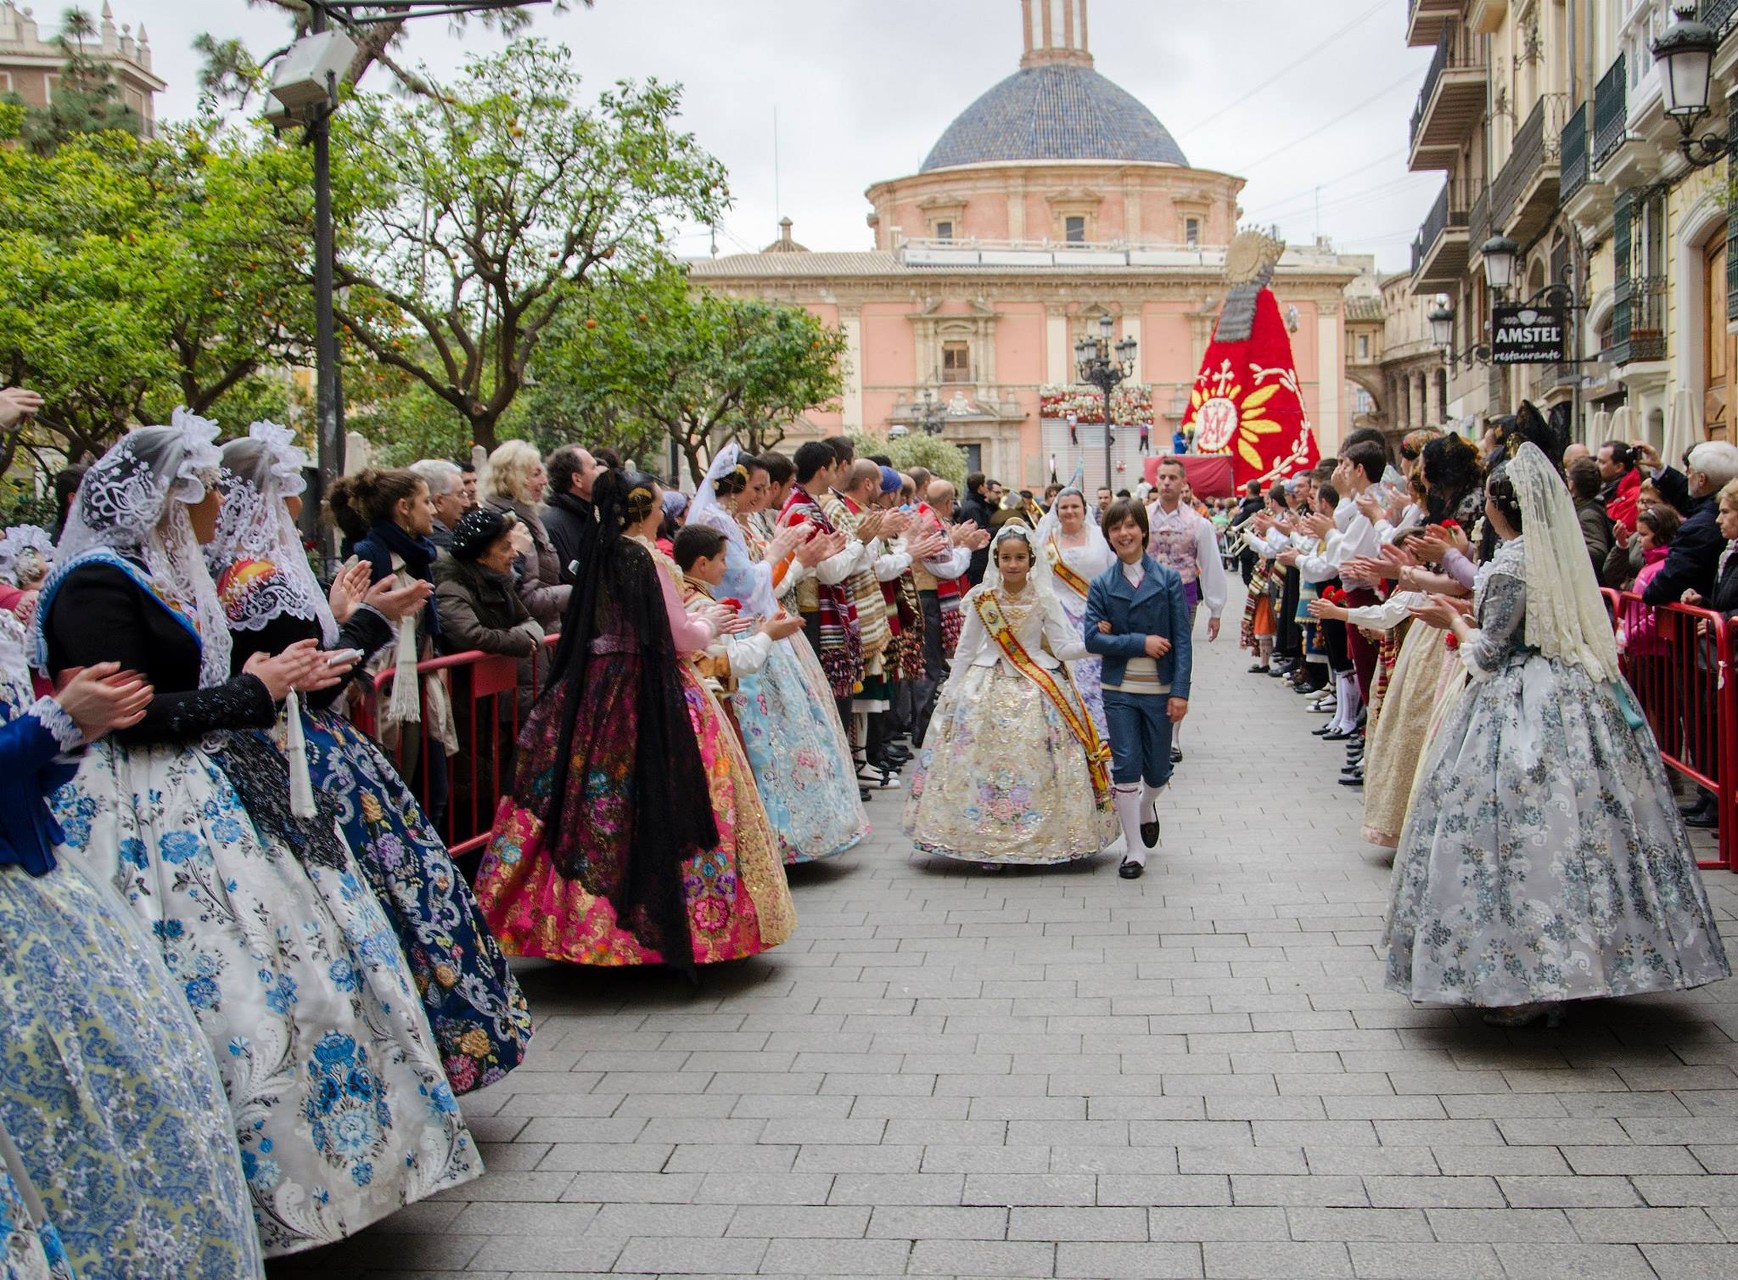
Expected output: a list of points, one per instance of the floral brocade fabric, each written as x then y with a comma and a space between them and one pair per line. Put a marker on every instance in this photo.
341, 1108
737, 901
1543, 858
1001, 779
800, 756
481, 1022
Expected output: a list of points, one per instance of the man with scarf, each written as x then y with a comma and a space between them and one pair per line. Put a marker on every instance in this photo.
1184, 541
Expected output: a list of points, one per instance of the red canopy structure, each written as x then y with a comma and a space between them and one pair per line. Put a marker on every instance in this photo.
1210, 475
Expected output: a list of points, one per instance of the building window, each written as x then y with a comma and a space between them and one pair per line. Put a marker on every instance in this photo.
1364, 347
1074, 228
48, 82
1192, 232
956, 361
974, 456
944, 231
5, 82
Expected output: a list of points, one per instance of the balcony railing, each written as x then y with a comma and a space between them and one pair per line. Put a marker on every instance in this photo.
1719, 14
1478, 220
1449, 213
1534, 154
1453, 52
1573, 163
1731, 277
1610, 112
1638, 321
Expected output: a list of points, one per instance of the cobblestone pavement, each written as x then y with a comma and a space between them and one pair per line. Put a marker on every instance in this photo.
948, 1073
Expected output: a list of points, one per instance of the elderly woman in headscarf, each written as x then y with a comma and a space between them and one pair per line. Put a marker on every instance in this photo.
342, 1110
1543, 859
125, 1140
480, 610
272, 599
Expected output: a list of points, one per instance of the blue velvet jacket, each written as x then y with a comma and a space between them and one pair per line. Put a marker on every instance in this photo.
1156, 608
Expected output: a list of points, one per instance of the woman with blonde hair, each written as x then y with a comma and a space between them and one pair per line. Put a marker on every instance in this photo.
515, 484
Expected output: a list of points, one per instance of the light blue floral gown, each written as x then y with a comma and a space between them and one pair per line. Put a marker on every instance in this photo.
791, 733
342, 1110
1543, 858
107, 1085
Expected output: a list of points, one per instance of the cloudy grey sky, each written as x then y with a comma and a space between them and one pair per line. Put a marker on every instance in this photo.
1307, 99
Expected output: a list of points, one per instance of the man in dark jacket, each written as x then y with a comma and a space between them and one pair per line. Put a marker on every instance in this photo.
1694, 559
980, 509
568, 517
1247, 509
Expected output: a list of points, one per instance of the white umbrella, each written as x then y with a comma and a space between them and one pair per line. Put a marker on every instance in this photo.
1683, 428
1599, 429
1620, 427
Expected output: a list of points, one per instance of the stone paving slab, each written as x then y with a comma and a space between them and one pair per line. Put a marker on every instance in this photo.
1059, 1073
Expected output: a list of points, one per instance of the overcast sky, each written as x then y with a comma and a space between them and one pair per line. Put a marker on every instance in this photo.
1293, 95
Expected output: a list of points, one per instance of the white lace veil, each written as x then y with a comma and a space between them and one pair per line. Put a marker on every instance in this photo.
753, 582
20, 546
1566, 619
259, 473
134, 501
1040, 577
1051, 525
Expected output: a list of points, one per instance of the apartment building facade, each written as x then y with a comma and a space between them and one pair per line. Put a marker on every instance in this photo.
1548, 122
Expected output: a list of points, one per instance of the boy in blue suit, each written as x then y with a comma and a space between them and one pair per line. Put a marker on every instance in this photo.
1137, 619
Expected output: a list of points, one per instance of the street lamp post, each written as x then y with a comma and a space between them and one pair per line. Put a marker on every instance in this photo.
928, 413
308, 95
1105, 367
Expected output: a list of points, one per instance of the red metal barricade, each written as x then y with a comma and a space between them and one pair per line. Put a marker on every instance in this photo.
1678, 660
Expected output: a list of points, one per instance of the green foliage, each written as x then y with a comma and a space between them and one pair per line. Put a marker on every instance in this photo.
469, 212
139, 275
21, 504
948, 461
693, 367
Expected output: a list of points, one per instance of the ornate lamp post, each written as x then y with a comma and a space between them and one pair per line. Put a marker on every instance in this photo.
928, 413
1105, 367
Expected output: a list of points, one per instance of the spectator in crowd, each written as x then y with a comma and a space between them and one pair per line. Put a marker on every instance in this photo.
568, 517
1638, 630
468, 481
1695, 553
1584, 488
920, 481
979, 507
1621, 481
66, 482
446, 489
517, 482
1573, 452
480, 605
675, 506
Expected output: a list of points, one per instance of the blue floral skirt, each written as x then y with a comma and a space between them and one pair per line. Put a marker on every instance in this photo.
108, 1089
341, 1107
480, 1019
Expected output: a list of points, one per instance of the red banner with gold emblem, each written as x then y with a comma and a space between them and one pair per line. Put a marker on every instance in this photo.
1247, 402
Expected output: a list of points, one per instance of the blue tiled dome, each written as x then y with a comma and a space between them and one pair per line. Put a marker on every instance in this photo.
1057, 111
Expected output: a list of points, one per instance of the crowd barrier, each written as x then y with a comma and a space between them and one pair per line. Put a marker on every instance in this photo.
1677, 659
488, 710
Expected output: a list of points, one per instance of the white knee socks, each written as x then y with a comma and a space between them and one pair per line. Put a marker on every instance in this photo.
1347, 702
1127, 800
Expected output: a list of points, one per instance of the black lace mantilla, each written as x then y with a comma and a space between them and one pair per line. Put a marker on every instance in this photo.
261, 777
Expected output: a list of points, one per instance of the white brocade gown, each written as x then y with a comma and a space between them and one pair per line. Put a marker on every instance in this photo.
1087, 562
342, 1108
1543, 858
1001, 778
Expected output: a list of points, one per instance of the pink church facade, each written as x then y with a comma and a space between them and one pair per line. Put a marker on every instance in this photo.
1052, 201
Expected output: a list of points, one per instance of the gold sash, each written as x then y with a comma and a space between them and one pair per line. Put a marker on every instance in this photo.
1058, 566
1085, 733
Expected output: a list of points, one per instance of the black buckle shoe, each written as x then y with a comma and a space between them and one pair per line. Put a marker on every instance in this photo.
1130, 870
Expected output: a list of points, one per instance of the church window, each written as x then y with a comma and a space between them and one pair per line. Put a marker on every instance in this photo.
956, 361
1192, 232
944, 230
1363, 346
1074, 228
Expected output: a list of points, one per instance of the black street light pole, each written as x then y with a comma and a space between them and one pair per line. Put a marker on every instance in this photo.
929, 414
328, 389
1098, 367
328, 386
